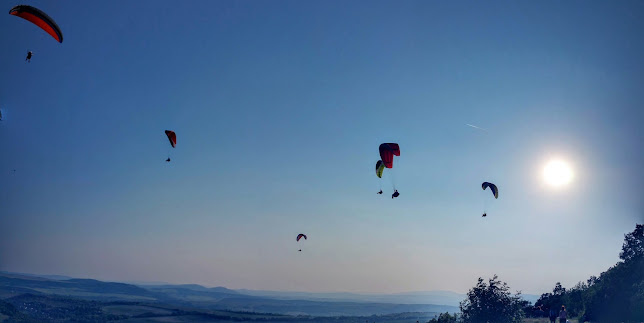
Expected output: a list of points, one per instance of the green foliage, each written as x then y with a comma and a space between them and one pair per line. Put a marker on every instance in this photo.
633, 247
491, 303
444, 318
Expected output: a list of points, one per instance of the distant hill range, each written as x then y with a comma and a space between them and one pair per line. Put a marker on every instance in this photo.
448, 298
422, 297
430, 297
199, 298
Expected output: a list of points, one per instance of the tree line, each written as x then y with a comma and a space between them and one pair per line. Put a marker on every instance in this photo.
617, 295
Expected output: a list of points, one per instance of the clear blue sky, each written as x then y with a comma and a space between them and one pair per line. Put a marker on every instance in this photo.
279, 108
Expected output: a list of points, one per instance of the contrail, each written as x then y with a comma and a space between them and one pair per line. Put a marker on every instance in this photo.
475, 127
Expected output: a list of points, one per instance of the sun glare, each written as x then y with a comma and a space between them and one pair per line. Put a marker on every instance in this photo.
557, 173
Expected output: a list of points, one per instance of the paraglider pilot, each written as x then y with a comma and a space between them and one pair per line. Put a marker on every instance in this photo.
379, 192
28, 59
395, 194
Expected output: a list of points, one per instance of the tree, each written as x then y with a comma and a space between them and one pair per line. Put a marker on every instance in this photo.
633, 247
558, 290
444, 318
491, 302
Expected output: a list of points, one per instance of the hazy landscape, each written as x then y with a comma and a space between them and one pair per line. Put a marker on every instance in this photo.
37, 297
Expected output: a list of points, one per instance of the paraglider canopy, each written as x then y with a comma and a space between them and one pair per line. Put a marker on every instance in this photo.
387, 152
492, 187
38, 18
380, 167
300, 236
172, 137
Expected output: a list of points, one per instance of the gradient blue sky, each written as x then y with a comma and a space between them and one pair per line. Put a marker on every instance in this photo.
279, 108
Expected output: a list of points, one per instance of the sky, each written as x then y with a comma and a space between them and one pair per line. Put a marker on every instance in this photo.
279, 109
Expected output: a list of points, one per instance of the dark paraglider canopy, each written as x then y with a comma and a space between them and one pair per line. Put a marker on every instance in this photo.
38, 18
492, 187
300, 236
172, 137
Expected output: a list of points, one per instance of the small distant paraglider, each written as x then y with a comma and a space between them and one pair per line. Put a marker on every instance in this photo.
387, 153
300, 236
38, 18
172, 137
493, 189
0, 114
28, 59
380, 167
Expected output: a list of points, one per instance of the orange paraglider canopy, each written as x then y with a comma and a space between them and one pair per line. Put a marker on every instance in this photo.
38, 18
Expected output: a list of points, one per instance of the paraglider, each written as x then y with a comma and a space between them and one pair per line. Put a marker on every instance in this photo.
28, 59
0, 114
300, 236
38, 18
493, 189
387, 153
172, 137
380, 167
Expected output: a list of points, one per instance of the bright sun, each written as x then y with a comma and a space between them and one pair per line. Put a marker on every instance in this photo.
557, 173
